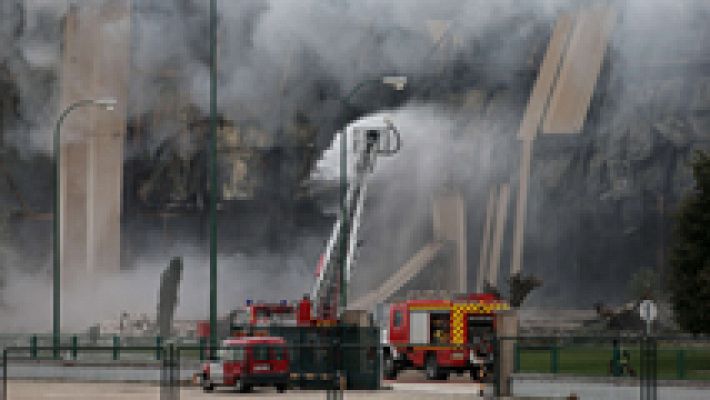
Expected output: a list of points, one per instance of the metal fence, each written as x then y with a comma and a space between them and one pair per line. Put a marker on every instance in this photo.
627, 359
86, 364
73, 342
676, 358
331, 358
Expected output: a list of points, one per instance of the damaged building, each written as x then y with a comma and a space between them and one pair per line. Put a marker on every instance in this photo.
600, 195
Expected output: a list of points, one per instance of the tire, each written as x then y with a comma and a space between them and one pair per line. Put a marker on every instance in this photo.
239, 386
476, 374
207, 386
281, 388
431, 368
390, 368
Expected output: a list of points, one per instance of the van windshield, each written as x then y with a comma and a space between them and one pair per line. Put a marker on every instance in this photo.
231, 354
261, 353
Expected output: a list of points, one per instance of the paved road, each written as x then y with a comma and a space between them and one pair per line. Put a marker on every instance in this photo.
604, 391
34, 390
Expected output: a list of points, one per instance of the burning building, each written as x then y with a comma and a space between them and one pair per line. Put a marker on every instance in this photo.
599, 196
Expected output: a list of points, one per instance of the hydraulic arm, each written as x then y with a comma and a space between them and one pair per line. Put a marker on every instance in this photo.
341, 247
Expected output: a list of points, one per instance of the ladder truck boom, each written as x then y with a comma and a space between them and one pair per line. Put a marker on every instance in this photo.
368, 144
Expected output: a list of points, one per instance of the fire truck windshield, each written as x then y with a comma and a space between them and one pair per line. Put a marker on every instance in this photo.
479, 328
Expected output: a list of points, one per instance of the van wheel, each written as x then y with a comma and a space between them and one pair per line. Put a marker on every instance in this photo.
390, 369
281, 388
239, 386
207, 385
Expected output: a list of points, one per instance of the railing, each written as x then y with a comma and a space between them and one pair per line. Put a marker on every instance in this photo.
37, 345
676, 358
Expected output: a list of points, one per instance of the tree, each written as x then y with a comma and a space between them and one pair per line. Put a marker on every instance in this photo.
520, 287
690, 253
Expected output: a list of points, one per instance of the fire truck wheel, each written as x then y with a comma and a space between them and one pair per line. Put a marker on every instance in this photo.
476, 374
281, 388
433, 372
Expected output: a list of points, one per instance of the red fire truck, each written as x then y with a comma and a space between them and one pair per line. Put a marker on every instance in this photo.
247, 362
283, 313
442, 336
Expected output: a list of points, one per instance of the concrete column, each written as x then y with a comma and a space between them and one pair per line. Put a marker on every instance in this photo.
537, 103
105, 183
95, 64
499, 230
450, 225
484, 255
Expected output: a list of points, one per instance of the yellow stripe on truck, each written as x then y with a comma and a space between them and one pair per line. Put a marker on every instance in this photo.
460, 310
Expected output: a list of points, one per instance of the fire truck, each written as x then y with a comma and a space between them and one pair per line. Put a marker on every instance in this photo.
256, 315
315, 319
442, 336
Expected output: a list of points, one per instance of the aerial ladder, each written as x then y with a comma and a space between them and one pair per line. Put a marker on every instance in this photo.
335, 265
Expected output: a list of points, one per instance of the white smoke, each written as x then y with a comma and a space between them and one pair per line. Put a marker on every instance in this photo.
88, 300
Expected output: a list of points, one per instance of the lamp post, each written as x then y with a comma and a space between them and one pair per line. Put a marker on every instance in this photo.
107, 104
213, 178
397, 83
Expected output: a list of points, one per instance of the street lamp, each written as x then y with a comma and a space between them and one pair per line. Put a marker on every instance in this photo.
397, 83
108, 104
213, 179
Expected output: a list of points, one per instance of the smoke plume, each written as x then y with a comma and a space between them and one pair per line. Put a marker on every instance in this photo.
597, 212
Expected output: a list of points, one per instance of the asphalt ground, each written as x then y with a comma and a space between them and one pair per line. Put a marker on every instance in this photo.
38, 390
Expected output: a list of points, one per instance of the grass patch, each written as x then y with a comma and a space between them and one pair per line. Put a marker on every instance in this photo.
591, 360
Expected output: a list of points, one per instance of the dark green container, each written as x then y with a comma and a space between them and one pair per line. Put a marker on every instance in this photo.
319, 355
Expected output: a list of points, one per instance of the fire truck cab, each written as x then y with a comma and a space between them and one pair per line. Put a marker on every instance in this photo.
442, 336
247, 362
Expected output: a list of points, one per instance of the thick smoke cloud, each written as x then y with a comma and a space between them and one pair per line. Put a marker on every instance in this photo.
280, 58
276, 59
274, 56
